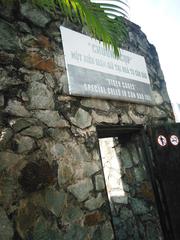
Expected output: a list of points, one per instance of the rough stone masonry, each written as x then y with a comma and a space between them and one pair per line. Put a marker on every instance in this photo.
51, 176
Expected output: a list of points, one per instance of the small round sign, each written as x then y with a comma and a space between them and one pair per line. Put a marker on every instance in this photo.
174, 140
162, 141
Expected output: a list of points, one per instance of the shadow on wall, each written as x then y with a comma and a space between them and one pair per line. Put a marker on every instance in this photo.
130, 194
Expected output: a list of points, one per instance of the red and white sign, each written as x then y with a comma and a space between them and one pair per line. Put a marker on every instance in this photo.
162, 141
174, 140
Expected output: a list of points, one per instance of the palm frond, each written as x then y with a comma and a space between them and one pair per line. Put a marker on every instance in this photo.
110, 30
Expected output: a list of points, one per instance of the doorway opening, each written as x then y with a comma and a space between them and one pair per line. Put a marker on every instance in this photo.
128, 183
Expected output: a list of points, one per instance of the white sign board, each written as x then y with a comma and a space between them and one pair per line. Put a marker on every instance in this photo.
94, 71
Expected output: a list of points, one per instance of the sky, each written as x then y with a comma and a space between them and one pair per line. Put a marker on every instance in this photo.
160, 21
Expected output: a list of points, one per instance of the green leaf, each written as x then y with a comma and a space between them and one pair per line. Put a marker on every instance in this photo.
93, 15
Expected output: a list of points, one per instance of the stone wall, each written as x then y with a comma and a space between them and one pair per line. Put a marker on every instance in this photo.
51, 176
